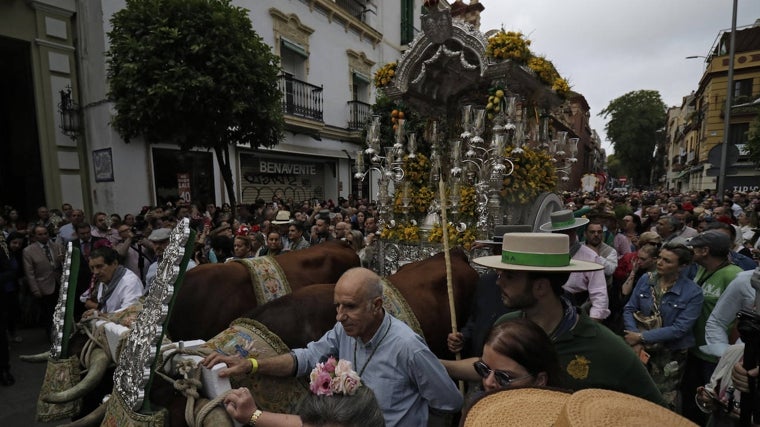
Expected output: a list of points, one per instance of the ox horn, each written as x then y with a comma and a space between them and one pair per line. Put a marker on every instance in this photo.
98, 366
35, 358
92, 419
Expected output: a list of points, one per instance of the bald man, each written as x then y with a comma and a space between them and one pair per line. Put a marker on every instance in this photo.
390, 358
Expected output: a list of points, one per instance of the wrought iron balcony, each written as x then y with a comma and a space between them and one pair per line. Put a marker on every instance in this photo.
358, 113
300, 98
354, 7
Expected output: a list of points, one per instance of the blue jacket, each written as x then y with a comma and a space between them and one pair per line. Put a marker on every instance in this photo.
680, 308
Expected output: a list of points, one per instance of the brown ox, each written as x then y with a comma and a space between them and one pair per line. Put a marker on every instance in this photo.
306, 314
213, 295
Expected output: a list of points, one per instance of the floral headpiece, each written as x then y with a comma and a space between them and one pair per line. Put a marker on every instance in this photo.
243, 230
334, 377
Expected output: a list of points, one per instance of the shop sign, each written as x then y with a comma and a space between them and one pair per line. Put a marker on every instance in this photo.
183, 184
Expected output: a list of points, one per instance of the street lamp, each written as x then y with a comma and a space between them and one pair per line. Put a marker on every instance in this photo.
69, 111
727, 113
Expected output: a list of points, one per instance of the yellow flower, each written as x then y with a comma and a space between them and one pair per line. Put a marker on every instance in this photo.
508, 45
534, 173
385, 74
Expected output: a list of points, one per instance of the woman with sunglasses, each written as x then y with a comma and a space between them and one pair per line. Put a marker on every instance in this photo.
518, 353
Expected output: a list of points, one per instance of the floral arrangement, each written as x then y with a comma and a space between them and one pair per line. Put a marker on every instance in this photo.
334, 377
548, 74
508, 45
404, 231
385, 74
468, 201
534, 173
561, 86
464, 238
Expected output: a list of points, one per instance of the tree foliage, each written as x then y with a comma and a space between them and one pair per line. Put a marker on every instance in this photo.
753, 140
636, 123
193, 73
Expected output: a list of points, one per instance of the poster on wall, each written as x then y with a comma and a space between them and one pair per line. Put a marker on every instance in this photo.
288, 179
102, 164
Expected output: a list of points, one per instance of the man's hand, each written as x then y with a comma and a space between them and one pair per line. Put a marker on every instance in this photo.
740, 376
236, 365
632, 338
87, 315
455, 342
240, 405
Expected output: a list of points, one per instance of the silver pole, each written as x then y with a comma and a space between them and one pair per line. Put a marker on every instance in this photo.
727, 113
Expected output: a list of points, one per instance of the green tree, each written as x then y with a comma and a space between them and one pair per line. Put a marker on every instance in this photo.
636, 123
753, 140
193, 73
614, 168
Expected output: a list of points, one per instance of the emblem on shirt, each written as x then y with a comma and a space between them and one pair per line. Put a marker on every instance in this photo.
578, 367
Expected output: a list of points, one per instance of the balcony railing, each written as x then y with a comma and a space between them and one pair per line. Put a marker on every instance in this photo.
358, 112
353, 7
300, 98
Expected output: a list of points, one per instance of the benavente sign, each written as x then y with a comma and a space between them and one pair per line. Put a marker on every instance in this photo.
268, 166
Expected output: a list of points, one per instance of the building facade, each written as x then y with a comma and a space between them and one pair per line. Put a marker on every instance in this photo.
696, 128
329, 50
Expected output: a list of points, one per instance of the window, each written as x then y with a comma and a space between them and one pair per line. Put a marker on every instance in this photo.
742, 91
738, 133
293, 59
407, 21
361, 87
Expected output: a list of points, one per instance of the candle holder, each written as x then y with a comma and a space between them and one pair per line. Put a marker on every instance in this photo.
482, 167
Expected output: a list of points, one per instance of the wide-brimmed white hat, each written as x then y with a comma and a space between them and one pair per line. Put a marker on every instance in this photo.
282, 218
536, 252
563, 220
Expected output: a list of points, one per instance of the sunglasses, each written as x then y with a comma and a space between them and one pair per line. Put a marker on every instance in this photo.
502, 377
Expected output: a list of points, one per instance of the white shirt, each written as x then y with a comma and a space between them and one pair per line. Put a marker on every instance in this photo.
153, 270
592, 282
127, 292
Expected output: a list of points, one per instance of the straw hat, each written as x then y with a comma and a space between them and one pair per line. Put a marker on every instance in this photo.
597, 407
536, 252
282, 218
537, 407
517, 407
563, 220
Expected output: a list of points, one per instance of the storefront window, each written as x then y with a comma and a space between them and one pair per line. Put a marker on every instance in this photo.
284, 177
187, 175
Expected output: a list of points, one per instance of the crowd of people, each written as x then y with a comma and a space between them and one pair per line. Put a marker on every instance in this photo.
635, 293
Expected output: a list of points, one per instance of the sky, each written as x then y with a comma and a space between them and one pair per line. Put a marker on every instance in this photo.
607, 48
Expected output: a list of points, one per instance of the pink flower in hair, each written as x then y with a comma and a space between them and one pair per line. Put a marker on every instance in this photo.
322, 385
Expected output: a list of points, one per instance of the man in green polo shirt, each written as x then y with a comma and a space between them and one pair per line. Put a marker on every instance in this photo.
532, 269
715, 272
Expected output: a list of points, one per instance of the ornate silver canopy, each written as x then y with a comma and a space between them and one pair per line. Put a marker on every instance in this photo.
139, 352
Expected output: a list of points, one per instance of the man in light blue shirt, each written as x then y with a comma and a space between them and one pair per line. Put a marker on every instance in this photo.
405, 376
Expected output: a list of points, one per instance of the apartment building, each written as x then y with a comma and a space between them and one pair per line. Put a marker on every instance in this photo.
695, 129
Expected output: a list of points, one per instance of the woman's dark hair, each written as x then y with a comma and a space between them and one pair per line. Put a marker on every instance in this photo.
639, 225
527, 344
358, 410
222, 246
683, 253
